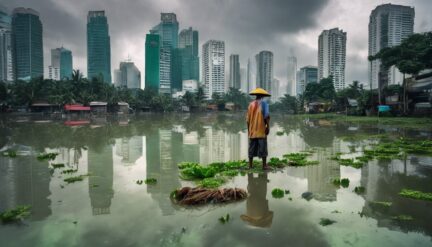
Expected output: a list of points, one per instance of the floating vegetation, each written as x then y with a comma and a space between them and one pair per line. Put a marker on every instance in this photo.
290, 198
47, 156
150, 181
139, 182
9, 153
74, 179
69, 171
348, 162
344, 182
402, 217
224, 219
335, 212
200, 196
230, 173
307, 195
381, 204
326, 222
299, 159
15, 215
359, 190
211, 182
278, 193
280, 133
57, 166
287, 192
414, 194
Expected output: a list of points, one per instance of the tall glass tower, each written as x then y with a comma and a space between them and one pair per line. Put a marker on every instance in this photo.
98, 46
167, 30
27, 46
6, 71
264, 71
61, 64
152, 48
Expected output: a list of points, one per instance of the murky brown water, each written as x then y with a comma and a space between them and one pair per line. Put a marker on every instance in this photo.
108, 208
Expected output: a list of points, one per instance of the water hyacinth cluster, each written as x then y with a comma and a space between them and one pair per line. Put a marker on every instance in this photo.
15, 215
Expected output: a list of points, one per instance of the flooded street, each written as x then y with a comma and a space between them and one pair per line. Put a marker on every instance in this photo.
109, 208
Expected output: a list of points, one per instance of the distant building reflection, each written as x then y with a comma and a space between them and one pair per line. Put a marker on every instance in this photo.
219, 145
100, 169
130, 149
257, 206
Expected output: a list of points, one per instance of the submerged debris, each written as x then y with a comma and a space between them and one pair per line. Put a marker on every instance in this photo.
150, 181
224, 219
307, 195
278, 193
200, 196
418, 195
326, 222
15, 215
47, 156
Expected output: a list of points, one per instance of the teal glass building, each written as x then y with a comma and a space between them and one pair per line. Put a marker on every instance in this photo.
152, 47
65, 64
98, 47
27, 46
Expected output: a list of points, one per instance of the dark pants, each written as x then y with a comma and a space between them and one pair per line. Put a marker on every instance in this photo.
257, 147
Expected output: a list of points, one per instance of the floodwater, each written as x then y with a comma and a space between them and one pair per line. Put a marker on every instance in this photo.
108, 208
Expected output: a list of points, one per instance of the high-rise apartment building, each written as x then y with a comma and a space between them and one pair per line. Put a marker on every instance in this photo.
306, 75
98, 46
61, 64
291, 76
389, 24
234, 79
332, 56
264, 70
27, 45
167, 30
6, 69
213, 67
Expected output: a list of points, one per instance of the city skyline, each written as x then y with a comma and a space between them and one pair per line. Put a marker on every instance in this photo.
299, 36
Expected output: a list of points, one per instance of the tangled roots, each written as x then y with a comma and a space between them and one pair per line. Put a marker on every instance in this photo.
200, 196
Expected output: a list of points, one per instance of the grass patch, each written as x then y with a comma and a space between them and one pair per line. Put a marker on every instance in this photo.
344, 182
414, 194
150, 181
326, 222
15, 215
278, 193
359, 190
47, 156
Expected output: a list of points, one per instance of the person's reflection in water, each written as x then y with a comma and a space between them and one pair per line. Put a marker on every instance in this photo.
257, 206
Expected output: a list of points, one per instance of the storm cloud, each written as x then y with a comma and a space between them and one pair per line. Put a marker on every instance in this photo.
285, 27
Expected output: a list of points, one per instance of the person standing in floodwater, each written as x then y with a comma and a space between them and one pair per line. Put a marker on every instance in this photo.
258, 123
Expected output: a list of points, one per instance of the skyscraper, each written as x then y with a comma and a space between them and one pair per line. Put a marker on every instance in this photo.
27, 46
332, 55
250, 76
276, 87
264, 71
6, 69
243, 80
292, 76
234, 79
152, 48
306, 75
185, 61
388, 25
167, 30
98, 46
128, 76
213, 67
61, 64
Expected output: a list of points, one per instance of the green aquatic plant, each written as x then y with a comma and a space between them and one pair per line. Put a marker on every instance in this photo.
278, 193
344, 182
335, 211
211, 182
47, 156
9, 153
139, 182
299, 159
150, 181
15, 215
359, 190
190, 171
230, 173
224, 219
326, 222
57, 166
287, 192
347, 162
414, 194
69, 171
381, 204
402, 217
280, 133
74, 179
277, 163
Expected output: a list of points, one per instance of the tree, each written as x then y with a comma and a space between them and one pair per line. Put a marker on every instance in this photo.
286, 104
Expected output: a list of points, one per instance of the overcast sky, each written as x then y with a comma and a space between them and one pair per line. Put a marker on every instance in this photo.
285, 27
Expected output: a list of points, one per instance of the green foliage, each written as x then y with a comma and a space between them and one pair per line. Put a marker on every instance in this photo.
278, 193
299, 159
381, 204
344, 182
74, 179
139, 182
286, 104
418, 195
280, 133
47, 156
348, 162
224, 219
190, 171
211, 182
9, 153
150, 181
15, 215
56, 166
326, 222
322, 91
402, 217
359, 190
69, 171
